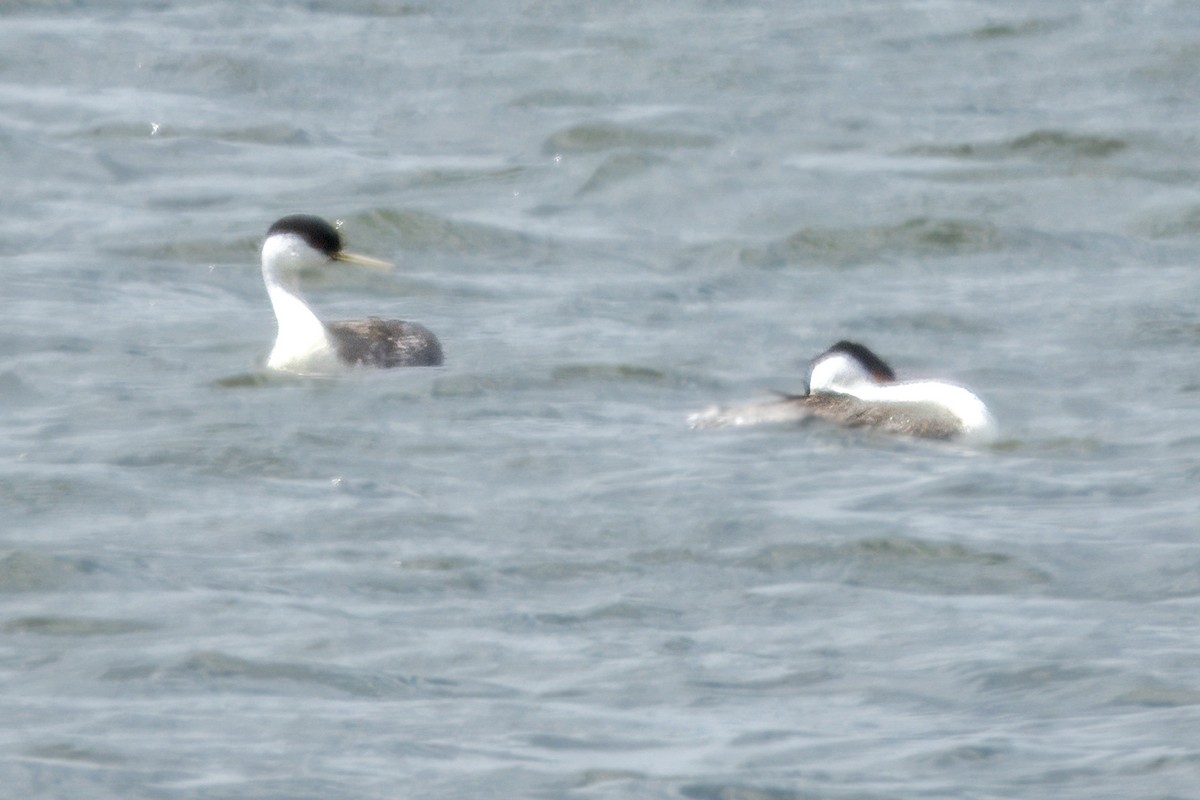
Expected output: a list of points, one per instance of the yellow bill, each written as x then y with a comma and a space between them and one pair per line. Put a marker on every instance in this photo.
361, 260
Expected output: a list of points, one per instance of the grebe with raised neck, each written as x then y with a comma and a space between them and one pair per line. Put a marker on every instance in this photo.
850, 385
307, 345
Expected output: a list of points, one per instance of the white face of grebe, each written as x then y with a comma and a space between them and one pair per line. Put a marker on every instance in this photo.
288, 254
847, 368
302, 241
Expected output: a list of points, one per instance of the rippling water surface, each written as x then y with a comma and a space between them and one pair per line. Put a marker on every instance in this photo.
521, 575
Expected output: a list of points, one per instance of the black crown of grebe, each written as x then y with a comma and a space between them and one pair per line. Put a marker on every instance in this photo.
307, 345
852, 386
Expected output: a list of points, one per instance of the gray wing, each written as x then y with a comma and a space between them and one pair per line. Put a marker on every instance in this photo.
923, 420
375, 342
910, 419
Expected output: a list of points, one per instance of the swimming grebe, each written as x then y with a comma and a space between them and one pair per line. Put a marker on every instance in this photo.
307, 345
852, 386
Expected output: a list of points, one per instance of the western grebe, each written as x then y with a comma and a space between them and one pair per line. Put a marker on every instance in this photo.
852, 386
307, 345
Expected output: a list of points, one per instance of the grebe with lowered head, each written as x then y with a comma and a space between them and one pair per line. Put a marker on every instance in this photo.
307, 345
850, 385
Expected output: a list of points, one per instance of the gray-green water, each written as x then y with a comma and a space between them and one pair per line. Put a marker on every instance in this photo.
521, 575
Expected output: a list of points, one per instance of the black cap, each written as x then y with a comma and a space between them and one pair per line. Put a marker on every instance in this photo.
318, 233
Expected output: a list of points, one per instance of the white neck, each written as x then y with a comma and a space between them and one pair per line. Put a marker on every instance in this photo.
302, 344
840, 373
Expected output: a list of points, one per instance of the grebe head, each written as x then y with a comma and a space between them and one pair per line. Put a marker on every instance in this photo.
302, 241
847, 367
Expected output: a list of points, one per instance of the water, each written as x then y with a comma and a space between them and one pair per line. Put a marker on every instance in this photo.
521, 575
